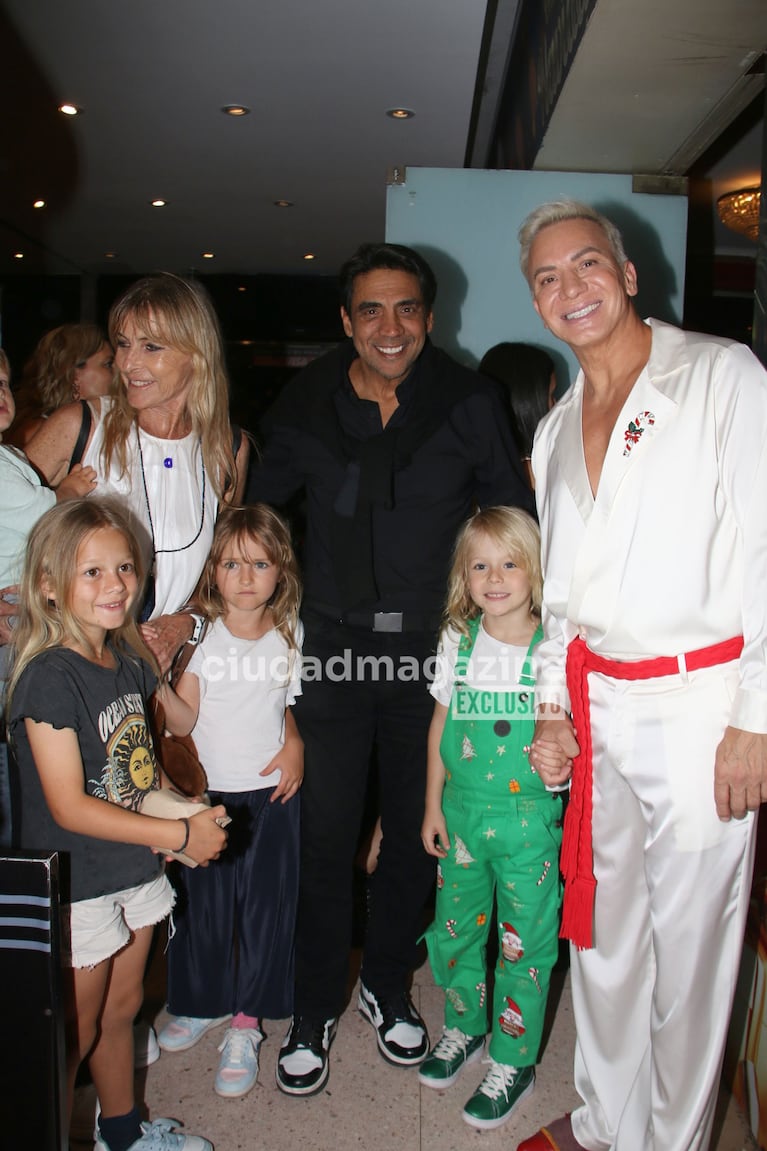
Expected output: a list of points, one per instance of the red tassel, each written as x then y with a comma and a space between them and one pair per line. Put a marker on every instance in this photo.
578, 912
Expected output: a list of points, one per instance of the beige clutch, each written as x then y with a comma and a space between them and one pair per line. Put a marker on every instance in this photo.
165, 803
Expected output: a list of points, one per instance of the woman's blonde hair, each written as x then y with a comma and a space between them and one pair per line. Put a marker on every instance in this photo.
241, 526
45, 617
178, 313
518, 535
49, 374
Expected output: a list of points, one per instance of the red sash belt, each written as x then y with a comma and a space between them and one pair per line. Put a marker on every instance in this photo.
577, 857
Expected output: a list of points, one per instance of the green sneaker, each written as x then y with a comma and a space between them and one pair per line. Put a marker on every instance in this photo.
450, 1055
498, 1094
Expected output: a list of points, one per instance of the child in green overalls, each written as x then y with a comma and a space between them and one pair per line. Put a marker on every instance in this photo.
489, 820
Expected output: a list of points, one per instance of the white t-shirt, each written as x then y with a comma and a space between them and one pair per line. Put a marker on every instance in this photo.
245, 686
494, 666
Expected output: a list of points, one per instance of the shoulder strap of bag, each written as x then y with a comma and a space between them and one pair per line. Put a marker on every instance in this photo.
82, 439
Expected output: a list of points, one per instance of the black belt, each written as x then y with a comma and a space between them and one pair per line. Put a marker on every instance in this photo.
379, 621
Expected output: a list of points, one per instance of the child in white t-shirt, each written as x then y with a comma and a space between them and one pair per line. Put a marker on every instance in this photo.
232, 953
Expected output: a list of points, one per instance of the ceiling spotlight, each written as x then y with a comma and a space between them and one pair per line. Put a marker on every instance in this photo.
235, 110
18, 255
309, 256
109, 255
158, 203
242, 288
400, 113
208, 255
38, 203
70, 109
283, 203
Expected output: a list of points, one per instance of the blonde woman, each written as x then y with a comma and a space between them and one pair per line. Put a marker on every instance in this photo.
163, 442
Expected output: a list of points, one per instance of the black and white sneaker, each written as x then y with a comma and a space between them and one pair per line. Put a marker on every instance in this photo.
400, 1031
303, 1066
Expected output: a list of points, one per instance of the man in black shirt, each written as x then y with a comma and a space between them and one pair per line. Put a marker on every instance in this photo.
394, 444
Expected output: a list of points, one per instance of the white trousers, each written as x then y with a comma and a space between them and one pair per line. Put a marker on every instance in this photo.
652, 999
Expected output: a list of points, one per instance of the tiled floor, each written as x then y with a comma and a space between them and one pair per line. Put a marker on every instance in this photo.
368, 1104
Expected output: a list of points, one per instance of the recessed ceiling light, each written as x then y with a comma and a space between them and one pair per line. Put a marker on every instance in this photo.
158, 203
208, 255
18, 255
38, 204
309, 256
283, 203
242, 289
235, 110
70, 109
400, 113
109, 255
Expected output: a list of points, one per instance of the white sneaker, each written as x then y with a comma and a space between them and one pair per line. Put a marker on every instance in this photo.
161, 1136
238, 1067
400, 1031
146, 1049
185, 1030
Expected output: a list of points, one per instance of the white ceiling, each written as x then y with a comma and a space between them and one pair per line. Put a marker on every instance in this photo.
653, 82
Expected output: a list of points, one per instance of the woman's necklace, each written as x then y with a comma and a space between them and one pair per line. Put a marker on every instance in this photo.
156, 551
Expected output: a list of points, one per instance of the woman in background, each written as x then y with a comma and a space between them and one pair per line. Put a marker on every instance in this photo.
71, 362
527, 376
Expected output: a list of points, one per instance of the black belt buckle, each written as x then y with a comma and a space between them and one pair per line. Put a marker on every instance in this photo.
387, 621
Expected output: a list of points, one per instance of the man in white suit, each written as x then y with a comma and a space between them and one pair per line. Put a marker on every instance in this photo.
651, 483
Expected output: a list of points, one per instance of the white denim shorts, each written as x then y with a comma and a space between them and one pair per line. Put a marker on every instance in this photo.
100, 927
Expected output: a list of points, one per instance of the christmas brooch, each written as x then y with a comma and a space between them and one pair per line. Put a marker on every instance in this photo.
634, 431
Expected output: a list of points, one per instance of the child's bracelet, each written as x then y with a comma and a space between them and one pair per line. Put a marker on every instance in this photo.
185, 822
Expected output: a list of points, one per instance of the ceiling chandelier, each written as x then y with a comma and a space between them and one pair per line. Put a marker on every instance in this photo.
739, 210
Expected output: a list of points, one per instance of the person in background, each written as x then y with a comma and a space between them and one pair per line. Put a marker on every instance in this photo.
71, 362
489, 819
527, 376
79, 727
394, 444
231, 955
24, 500
650, 479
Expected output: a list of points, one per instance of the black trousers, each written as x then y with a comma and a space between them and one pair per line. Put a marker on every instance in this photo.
233, 945
361, 689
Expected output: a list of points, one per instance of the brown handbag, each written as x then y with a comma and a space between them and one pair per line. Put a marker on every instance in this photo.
177, 754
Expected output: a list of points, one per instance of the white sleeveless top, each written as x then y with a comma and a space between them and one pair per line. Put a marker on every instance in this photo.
163, 487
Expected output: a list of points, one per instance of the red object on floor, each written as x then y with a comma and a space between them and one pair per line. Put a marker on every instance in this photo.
558, 1136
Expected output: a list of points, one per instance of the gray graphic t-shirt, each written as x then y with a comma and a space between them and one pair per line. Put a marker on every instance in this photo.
107, 710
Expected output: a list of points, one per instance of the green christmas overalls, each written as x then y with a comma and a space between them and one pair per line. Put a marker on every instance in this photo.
505, 833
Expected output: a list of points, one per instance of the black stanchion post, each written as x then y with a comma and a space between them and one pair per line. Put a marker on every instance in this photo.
32, 1054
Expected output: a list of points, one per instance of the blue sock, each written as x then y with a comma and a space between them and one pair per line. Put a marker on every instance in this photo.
121, 1131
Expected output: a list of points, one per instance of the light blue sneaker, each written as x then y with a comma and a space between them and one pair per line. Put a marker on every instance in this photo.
161, 1136
184, 1031
238, 1068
